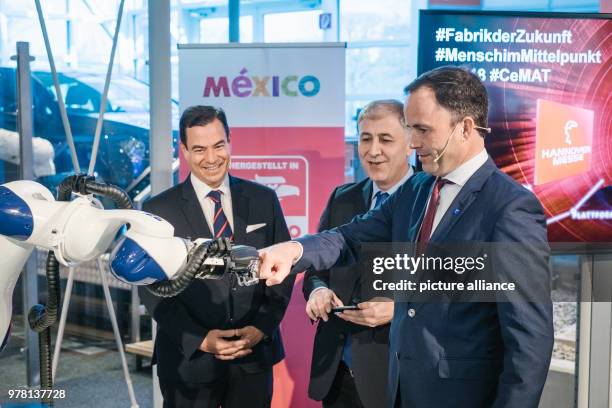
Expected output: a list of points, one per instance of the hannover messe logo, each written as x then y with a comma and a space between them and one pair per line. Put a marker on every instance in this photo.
564, 135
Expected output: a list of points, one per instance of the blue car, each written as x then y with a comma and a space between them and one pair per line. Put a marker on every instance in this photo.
124, 143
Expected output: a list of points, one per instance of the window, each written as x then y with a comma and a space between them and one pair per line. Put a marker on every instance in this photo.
216, 30
378, 62
300, 26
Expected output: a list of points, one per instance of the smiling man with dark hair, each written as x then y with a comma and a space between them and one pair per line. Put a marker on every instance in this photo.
217, 341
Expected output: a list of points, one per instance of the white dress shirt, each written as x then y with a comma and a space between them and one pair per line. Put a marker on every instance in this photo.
208, 206
393, 189
458, 177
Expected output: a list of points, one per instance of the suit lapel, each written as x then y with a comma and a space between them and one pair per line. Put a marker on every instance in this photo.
192, 210
348, 284
363, 206
459, 205
464, 199
240, 210
421, 200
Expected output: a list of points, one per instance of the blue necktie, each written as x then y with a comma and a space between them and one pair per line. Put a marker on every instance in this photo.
221, 226
379, 198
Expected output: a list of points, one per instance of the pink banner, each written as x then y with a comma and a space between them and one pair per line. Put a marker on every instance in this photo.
285, 107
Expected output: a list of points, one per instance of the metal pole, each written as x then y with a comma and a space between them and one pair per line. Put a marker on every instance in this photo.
29, 278
113, 317
160, 135
58, 90
62, 323
109, 71
234, 20
584, 323
601, 332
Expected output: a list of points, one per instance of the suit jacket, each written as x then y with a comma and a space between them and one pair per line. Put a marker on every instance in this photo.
369, 346
183, 321
461, 354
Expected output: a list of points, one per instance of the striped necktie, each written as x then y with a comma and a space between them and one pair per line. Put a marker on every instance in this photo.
380, 198
221, 226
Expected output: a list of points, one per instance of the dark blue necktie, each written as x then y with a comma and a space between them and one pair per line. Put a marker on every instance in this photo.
379, 198
221, 226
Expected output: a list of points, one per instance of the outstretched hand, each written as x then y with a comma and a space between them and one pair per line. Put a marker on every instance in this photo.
275, 262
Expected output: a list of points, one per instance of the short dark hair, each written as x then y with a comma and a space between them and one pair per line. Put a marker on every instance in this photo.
458, 90
381, 108
200, 115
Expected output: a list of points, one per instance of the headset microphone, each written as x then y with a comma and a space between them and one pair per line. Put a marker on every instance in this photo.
439, 156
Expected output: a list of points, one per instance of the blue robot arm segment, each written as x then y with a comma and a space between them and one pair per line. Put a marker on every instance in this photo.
16, 220
132, 264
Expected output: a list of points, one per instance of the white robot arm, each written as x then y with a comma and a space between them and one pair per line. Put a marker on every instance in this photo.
76, 231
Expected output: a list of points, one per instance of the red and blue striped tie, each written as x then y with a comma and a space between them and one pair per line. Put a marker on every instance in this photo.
220, 221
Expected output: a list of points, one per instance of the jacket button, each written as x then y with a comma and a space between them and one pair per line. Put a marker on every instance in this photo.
342, 336
398, 355
411, 312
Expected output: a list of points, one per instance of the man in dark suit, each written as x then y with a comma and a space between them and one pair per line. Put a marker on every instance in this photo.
350, 359
216, 341
459, 354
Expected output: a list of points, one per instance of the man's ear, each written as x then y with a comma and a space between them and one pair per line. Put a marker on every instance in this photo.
184, 149
468, 127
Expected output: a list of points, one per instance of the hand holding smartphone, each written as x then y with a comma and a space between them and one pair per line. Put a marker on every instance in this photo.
340, 309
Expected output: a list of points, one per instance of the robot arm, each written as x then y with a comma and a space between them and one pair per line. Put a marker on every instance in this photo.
76, 231
167, 264
15, 256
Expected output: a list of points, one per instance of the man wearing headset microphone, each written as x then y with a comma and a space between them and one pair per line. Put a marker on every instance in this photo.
451, 354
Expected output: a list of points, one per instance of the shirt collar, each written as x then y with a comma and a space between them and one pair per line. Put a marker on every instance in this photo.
397, 185
202, 189
462, 174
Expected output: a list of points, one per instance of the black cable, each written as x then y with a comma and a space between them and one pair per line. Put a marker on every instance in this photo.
41, 318
186, 275
120, 197
66, 187
84, 184
44, 349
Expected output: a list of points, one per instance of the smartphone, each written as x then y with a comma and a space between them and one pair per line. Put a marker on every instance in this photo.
343, 308
233, 338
